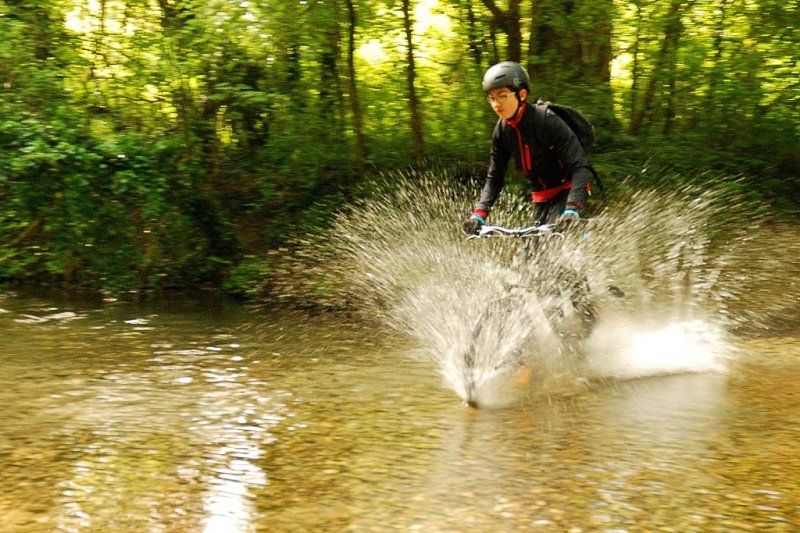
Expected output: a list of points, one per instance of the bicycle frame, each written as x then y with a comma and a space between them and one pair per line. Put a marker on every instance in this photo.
553, 313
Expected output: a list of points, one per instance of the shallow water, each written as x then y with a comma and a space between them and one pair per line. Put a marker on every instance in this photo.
200, 416
673, 277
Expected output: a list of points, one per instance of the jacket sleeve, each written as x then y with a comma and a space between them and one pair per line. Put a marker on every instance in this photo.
496, 175
568, 149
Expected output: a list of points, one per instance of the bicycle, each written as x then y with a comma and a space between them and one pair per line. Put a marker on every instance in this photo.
550, 295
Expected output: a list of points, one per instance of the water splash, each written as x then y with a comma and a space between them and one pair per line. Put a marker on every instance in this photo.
686, 260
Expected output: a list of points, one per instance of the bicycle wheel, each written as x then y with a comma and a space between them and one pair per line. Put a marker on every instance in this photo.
569, 306
500, 331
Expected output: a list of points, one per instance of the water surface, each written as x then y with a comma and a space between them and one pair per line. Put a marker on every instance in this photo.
203, 417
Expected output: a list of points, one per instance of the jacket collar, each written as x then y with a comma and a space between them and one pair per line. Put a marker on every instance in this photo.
514, 122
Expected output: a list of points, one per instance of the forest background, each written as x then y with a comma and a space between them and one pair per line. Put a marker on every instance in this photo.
148, 145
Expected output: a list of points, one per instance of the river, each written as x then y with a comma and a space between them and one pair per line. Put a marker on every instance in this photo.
201, 416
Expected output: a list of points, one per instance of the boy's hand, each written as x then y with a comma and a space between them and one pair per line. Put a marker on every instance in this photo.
472, 225
568, 219
476, 220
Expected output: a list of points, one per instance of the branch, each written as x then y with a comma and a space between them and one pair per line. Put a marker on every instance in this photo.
492, 7
33, 226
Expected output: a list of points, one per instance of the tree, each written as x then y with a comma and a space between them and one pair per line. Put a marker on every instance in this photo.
569, 54
145, 145
411, 72
508, 21
673, 28
352, 90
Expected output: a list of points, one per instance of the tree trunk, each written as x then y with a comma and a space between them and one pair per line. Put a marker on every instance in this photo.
509, 22
669, 44
715, 73
330, 91
669, 107
413, 101
569, 49
635, 69
352, 91
172, 15
474, 35
534, 39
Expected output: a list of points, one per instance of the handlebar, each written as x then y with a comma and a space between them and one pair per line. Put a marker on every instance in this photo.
544, 230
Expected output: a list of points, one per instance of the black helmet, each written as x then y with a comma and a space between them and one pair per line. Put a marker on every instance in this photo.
506, 74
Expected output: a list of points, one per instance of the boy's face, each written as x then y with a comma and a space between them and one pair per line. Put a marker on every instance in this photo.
504, 102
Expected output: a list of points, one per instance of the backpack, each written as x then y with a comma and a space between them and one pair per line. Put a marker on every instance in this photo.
578, 123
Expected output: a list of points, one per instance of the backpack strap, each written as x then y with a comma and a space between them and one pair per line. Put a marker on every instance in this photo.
539, 116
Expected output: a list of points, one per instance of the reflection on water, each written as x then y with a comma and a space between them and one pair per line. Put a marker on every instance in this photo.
221, 419
138, 422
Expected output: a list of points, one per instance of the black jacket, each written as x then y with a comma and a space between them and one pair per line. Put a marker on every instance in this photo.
549, 163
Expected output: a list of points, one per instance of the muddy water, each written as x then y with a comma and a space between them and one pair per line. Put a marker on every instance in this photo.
204, 417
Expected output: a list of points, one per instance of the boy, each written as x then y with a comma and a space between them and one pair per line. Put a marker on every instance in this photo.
555, 164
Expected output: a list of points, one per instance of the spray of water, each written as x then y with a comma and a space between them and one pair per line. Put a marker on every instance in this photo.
690, 263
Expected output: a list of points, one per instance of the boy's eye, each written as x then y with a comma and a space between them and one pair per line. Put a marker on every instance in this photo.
498, 98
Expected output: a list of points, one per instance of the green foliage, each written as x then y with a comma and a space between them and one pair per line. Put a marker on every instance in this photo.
247, 276
154, 145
